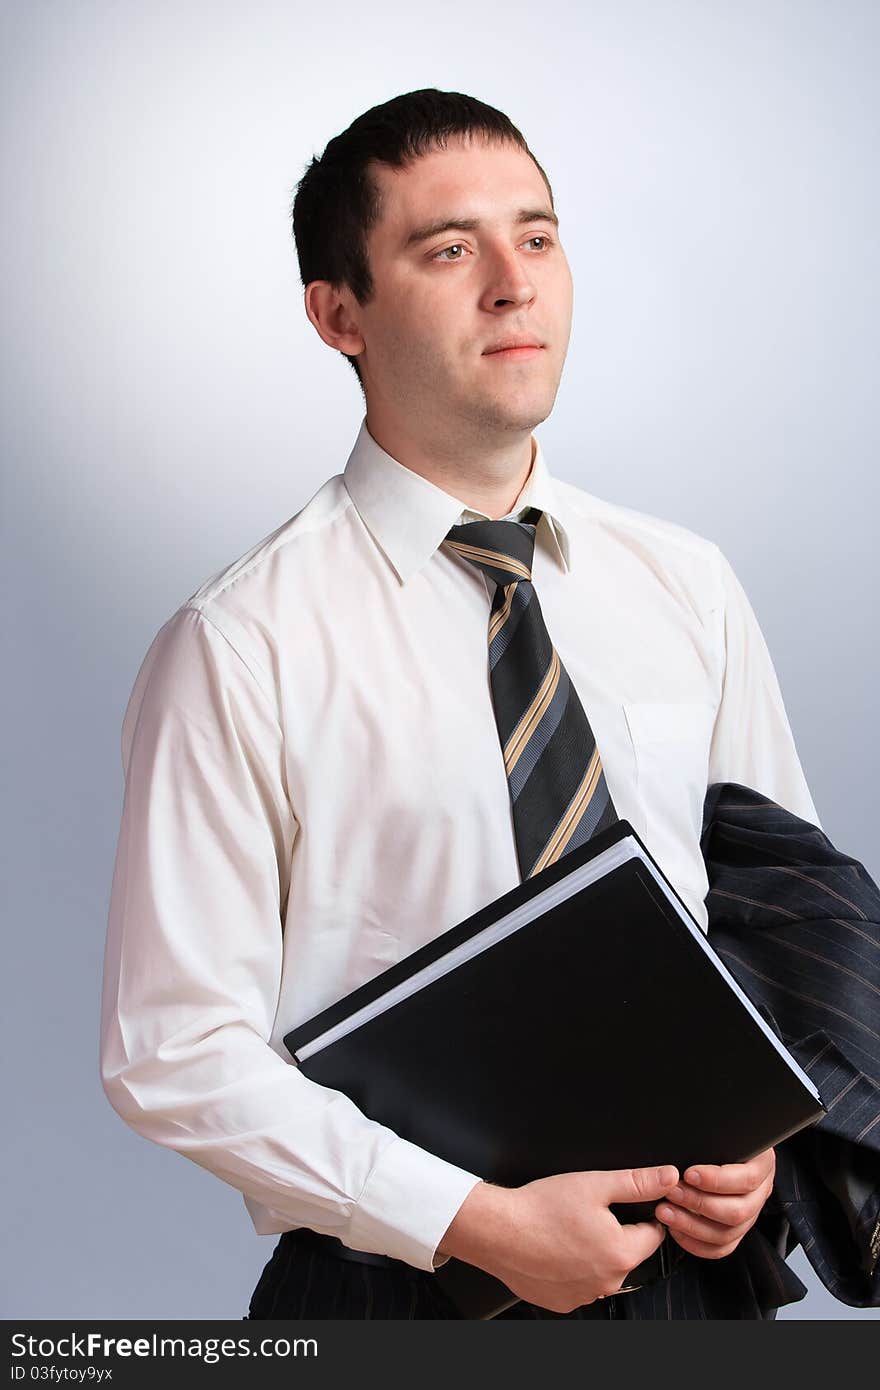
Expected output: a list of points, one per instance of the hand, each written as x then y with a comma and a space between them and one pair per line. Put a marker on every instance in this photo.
555, 1242
710, 1211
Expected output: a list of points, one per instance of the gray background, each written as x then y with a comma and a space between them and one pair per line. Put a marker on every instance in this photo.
166, 404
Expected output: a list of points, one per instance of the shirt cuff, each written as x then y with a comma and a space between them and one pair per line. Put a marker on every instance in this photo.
407, 1204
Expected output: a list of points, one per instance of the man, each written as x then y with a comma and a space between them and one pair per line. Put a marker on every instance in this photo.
314, 779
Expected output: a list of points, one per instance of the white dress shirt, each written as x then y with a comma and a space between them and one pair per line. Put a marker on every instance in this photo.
314, 788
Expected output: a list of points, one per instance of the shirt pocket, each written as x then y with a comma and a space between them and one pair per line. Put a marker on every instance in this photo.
671, 742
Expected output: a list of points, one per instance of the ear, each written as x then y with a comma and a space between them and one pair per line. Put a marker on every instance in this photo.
330, 310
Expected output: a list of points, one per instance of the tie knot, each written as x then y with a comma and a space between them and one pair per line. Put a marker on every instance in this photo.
501, 549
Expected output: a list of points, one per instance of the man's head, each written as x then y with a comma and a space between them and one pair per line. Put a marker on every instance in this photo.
415, 305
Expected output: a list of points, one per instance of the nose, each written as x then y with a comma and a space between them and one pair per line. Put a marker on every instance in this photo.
508, 281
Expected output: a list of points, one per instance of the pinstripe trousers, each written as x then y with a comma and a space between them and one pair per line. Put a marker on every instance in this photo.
303, 1281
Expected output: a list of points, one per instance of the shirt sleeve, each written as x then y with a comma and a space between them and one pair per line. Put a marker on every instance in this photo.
193, 966
752, 742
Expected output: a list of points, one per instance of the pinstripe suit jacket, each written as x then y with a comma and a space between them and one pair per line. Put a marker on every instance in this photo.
798, 924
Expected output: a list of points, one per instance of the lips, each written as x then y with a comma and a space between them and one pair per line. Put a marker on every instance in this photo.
511, 345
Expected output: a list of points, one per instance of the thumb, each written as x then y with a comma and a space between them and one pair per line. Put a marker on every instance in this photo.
641, 1239
635, 1184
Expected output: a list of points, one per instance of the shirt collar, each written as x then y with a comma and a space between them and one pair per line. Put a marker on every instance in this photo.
409, 517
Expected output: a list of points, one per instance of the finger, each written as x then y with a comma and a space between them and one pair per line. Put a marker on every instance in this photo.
640, 1239
732, 1177
730, 1209
635, 1184
681, 1222
702, 1249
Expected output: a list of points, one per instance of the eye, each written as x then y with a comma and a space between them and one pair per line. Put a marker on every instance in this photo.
541, 237
456, 246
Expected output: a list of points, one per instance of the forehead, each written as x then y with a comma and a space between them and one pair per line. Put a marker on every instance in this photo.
480, 178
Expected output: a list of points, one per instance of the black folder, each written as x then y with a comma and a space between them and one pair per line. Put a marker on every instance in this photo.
580, 1021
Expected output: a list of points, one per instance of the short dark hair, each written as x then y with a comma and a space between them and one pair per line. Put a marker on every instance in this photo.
337, 202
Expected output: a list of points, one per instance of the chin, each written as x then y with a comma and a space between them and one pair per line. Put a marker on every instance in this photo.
516, 409
527, 410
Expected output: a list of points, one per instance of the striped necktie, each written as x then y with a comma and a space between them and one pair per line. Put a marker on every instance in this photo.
554, 772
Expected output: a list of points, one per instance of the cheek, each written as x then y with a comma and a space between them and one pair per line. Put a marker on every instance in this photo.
415, 348
566, 304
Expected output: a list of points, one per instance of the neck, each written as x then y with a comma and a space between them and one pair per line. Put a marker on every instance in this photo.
487, 479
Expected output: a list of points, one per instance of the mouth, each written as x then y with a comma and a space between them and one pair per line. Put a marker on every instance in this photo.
515, 353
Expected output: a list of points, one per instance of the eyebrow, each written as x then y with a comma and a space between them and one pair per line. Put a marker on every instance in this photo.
473, 224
